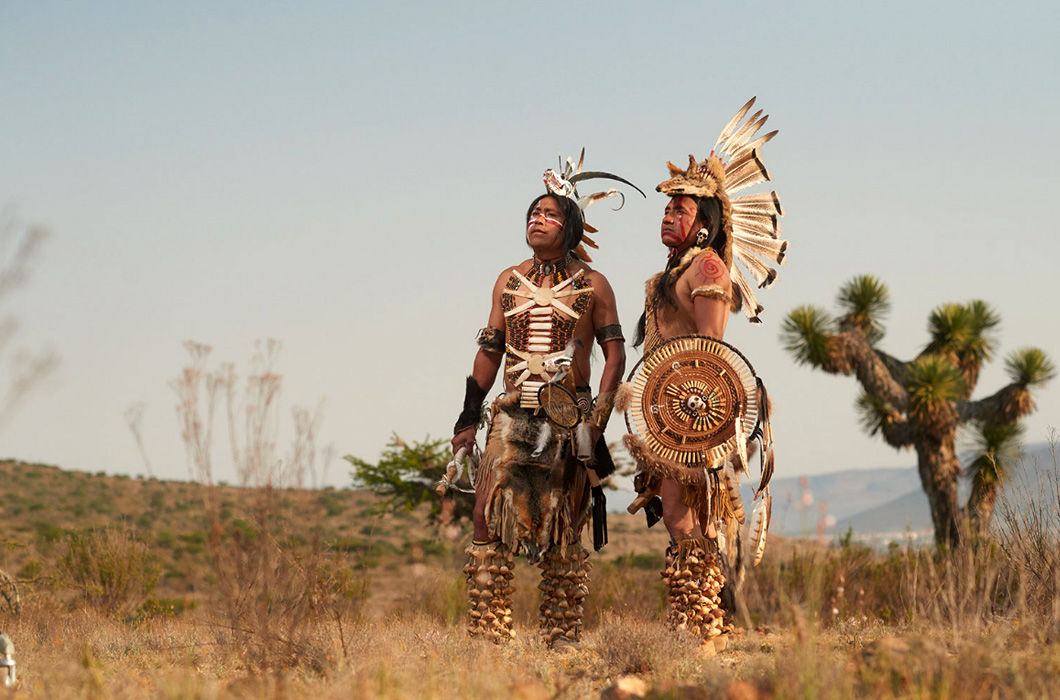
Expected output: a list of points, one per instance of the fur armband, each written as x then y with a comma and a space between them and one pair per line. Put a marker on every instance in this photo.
711, 291
491, 340
610, 332
472, 413
602, 409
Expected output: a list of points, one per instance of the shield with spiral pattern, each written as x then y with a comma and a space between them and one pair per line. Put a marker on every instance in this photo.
694, 399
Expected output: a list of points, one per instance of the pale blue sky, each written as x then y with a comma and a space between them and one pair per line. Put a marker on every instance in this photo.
351, 178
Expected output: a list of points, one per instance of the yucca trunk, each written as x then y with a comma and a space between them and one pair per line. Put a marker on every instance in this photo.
939, 470
981, 504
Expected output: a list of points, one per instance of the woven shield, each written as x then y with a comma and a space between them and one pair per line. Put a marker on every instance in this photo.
694, 400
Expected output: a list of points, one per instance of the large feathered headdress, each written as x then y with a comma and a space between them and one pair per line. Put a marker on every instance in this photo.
749, 223
564, 184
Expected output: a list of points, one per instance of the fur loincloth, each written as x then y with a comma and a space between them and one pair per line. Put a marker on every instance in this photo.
703, 489
537, 495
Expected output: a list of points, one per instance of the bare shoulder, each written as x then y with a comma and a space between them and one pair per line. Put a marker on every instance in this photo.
594, 277
707, 268
506, 273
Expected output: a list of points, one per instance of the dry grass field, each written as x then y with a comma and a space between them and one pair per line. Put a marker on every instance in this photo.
144, 588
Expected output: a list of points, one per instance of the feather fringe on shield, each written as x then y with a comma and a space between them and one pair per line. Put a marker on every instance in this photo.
759, 526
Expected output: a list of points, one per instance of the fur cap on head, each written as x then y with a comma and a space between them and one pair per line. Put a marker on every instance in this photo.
706, 179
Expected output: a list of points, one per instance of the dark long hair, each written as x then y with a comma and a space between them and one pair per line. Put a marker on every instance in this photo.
708, 214
573, 223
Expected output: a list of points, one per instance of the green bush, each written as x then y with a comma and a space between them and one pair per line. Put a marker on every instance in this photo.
110, 569
153, 608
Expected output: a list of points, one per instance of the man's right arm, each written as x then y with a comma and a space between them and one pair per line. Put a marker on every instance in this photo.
484, 371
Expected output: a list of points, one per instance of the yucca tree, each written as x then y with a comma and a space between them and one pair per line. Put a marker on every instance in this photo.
920, 403
995, 450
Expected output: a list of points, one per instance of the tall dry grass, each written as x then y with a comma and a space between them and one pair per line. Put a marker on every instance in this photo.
273, 595
284, 617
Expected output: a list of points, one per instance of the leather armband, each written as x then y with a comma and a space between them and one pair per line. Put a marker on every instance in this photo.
711, 291
602, 409
610, 332
491, 340
472, 413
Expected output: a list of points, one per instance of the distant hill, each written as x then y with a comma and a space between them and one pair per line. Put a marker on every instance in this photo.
889, 502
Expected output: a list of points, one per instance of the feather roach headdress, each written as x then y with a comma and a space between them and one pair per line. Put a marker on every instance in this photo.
564, 183
749, 223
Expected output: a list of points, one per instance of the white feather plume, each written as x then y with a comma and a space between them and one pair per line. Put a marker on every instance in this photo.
760, 526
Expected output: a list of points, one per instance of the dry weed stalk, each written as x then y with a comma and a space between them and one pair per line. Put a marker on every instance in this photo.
1030, 537
196, 430
271, 590
26, 369
254, 447
303, 456
134, 416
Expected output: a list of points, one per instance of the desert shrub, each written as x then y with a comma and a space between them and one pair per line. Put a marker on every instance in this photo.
331, 502
110, 569
154, 608
31, 569
48, 532
405, 476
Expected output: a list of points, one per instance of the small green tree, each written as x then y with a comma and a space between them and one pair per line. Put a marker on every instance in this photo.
406, 475
921, 403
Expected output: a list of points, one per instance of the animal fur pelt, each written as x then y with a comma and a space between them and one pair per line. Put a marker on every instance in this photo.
623, 397
539, 492
702, 488
662, 467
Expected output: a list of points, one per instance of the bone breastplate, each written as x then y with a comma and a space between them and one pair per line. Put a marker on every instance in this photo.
540, 321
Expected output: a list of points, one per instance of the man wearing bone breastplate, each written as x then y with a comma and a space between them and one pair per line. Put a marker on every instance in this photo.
532, 489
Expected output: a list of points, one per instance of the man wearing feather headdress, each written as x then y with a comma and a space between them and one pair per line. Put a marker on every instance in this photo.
543, 450
696, 489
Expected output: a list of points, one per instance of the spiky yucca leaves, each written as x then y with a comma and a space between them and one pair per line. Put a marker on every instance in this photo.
966, 334
864, 302
995, 451
873, 412
934, 383
805, 335
1030, 367
877, 416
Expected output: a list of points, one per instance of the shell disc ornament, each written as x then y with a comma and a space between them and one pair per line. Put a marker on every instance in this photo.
559, 405
694, 400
